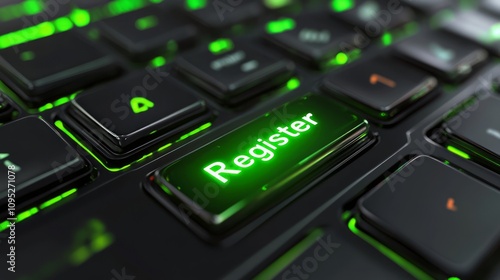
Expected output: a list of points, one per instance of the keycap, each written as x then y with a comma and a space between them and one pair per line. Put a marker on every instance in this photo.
38, 156
446, 55
314, 37
449, 220
429, 7
372, 17
224, 14
382, 86
148, 32
478, 27
138, 108
477, 134
248, 170
38, 79
6, 109
234, 72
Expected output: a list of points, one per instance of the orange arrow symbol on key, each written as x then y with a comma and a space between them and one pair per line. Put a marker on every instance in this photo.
376, 78
450, 205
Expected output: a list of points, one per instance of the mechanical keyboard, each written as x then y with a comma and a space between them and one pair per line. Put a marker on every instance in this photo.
249, 139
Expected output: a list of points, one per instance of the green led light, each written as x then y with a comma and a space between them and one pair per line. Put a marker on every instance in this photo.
458, 152
387, 39
68, 193
27, 56
277, 4
293, 83
60, 125
342, 5
146, 22
56, 199
341, 58
80, 17
26, 214
4, 225
453, 278
26, 8
220, 46
33, 7
63, 24
158, 61
280, 25
403, 263
290, 256
195, 4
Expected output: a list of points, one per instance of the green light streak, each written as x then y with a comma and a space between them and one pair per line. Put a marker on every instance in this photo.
342, 5
80, 17
453, 278
158, 61
290, 256
458, 152
280, 25
220, 46
146, 22
403, 263
58, 102
26, 8
60, 125
56, 199
26, 214
4, 225
195, 4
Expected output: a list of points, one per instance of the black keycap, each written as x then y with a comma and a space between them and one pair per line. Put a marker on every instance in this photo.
6, 109
429, 7
148, 32
236, 72
47, 68
38, 156
446, 55
372, 17
476, 26
382, 86
479, 132
223, 14
317, 38
450, 220
250, 177
125, 114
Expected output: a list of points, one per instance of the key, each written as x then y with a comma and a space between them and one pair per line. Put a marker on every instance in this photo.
6, 109
239, 174
39, 158
137, 109
382, 87
316, 38
148, 32
477, 132
38, 79
478, 27
373, 17
224, 14
234, 72
449, 220
446, 55
429, 7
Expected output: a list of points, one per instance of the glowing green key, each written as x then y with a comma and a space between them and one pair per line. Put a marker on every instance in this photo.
263, 162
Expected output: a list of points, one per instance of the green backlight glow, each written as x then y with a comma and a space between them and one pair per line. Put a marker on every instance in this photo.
58, 102
276, 4
453, 278
342, 5
34, 210
495, 31
387, 39
26, 8
290, 256
293, 83
27, 56
458, 152
80, 17
100, 239
280, 25
341, 58
403, 263
60, 125
158, 61
195, 4
220, 46
146, 22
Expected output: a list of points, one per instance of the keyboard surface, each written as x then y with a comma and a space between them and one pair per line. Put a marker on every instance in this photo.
252, 139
